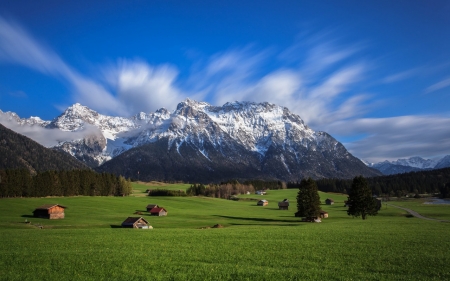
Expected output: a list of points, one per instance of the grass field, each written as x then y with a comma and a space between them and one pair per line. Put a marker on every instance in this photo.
256, 243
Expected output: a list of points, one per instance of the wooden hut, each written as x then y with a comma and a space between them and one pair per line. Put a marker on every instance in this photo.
136, 222
262, 202
283, 205
329, 201
49, 211
151, 206
323, 214
158, 212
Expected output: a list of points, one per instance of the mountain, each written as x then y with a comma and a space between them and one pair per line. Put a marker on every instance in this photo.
201, 142
412, 164
20, 152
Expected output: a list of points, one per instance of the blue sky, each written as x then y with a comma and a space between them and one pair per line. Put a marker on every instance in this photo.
373, 74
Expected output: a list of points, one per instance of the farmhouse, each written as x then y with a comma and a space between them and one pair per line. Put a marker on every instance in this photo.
136, 222
158, 212
329, 201
323, 214
283, 205
262, 203
151, 206
49, 211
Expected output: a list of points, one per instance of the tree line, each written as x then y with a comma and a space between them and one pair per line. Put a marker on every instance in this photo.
420, 182
223, 190
20, 183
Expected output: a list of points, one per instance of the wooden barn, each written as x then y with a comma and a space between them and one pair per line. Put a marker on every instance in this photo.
151, 206
323, 214
329, 201
136, 222
262, 202
158, 212
283, 205
49, 211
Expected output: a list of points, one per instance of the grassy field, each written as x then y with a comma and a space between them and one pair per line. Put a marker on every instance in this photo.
256, 243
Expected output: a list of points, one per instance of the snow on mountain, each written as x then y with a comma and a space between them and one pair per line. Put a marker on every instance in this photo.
411, 164
266, 131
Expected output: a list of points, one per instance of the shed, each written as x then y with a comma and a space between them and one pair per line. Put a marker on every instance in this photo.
49, 211
323, 214
136, 222
262, 202
158, 212
283, 205
151, 206
329, 201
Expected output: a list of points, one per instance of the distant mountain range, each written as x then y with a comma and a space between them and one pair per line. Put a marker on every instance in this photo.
20, 152
199, 142
410, 165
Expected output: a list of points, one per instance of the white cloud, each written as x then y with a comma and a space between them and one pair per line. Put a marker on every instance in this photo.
438, 86
396, 137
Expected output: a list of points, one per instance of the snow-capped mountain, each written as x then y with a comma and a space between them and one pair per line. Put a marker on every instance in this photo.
411, 164
262, 136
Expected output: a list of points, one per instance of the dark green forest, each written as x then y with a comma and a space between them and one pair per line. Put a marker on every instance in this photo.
20, 183
421, 182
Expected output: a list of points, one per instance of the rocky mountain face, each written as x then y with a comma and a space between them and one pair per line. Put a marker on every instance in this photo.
201, 142
410, 165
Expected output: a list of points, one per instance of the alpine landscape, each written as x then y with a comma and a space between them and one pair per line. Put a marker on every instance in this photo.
174, 140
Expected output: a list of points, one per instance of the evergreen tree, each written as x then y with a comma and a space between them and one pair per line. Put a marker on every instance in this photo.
360, 200
308, 199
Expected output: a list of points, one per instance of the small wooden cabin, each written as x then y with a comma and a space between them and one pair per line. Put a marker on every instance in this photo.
158, 212
329, 201
283, 205
262, 202
323, 214
151, 206
49, 211
136, 222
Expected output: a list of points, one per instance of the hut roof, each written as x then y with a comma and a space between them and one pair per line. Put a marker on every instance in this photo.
157, 210
329, 199
152, 206
323, 212
132, 220
283, 204
263, 200
49, 206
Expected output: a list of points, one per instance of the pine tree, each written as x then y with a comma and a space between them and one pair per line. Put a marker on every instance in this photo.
360, 200
308, 199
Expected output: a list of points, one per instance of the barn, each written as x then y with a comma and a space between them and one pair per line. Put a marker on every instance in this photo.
151, 206
323, 214
329, 201
136, 222
262, 202
283, 205
158, 212
49, 211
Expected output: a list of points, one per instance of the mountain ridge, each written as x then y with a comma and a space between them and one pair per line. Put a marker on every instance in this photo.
269, 136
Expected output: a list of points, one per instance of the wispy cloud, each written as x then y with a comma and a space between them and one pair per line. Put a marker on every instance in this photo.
396, 137
438, 86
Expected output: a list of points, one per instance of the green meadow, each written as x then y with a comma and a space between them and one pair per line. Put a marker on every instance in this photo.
256, 243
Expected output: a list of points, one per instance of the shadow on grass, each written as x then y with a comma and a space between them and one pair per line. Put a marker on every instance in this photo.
27, 216
254, 219
261, 224
115, 226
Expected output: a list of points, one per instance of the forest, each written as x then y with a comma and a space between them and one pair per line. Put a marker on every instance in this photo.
20, 183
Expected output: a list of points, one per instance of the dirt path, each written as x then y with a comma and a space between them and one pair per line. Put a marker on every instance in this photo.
417, 215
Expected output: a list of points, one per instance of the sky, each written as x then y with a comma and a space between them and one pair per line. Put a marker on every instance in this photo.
373, 74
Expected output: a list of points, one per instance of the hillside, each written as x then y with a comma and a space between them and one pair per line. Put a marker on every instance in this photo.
20, 152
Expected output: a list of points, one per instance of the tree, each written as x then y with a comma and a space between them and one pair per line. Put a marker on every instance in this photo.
308, 199
360, 200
